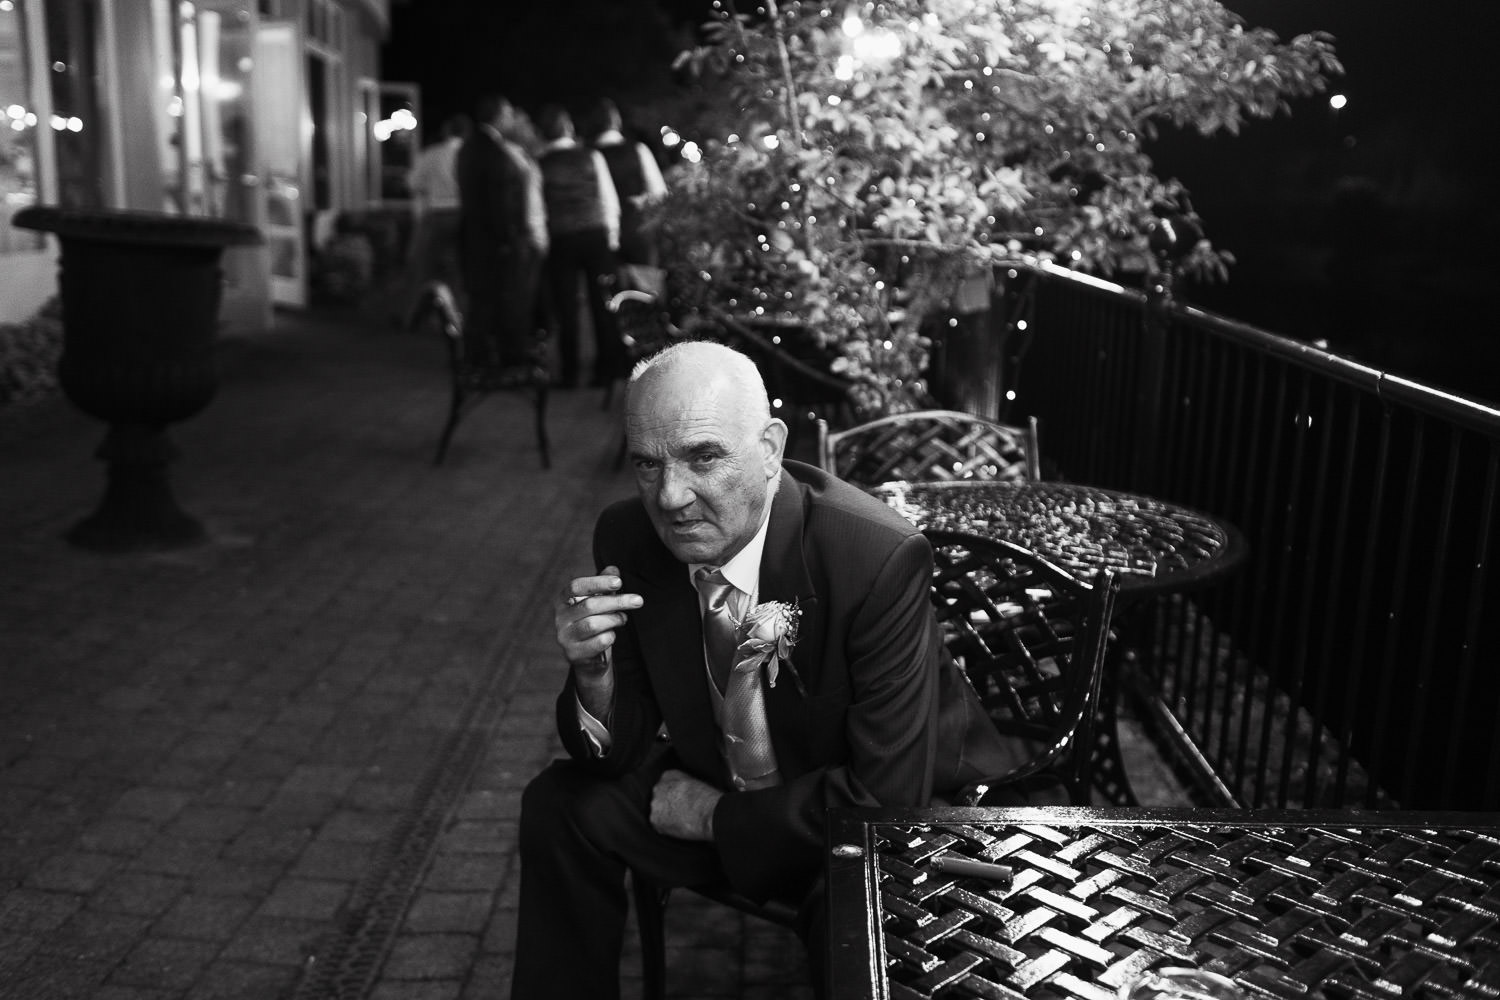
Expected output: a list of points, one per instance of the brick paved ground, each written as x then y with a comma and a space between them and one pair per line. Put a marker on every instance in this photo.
286, 763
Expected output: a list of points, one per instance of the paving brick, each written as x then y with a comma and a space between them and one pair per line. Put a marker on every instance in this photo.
268, 843
74, 871
477, 837
492, 805
466, 872
204, 917
37, 911
307, 899
431, 956
42, 771
371, 794
246, 793
54, 977
157, 805
358, 827
227, 877
210, 747
339, 860
228, 980
205, 822
167, 965
117, 836
276, 941
92, 936
441, 989
457, 912
142, 893
168, 855
264, 758
116, 992
15, 949
187, 776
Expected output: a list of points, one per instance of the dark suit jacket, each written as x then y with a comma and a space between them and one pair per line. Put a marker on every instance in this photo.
864, 733
492, 206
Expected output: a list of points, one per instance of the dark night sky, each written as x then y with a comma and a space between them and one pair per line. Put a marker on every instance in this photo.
1380, 211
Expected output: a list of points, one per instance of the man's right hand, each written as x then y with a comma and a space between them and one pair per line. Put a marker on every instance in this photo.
588, 612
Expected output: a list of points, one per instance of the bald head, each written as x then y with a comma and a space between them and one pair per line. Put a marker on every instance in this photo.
725, 371
706, 450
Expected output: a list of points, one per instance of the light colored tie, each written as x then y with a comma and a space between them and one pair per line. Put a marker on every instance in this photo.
747, 738
718, 623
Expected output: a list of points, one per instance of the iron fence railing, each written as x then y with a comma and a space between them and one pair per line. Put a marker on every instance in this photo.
1354, 658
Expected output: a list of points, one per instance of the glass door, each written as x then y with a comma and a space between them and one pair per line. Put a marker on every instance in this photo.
283, 133
222, 177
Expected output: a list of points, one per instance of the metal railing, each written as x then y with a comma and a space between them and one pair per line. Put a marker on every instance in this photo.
1352, 659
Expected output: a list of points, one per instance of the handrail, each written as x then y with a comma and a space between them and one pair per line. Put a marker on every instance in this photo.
1386, 384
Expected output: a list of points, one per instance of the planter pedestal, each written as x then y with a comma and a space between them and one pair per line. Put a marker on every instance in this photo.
140, 302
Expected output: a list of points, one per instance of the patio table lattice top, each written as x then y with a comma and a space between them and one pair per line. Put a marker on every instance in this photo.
1289, 912
1078, 527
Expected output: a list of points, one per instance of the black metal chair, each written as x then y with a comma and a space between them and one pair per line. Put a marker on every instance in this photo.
438, 309
1030, 638
927, 445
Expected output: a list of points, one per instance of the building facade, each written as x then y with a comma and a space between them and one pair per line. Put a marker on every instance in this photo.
262, 111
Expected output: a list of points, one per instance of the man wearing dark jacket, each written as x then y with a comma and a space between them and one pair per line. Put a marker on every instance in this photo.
502, 239
759, 747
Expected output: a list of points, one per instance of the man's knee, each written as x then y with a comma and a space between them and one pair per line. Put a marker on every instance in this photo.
566, 801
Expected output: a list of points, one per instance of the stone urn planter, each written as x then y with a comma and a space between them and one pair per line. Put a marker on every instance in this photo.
140, 304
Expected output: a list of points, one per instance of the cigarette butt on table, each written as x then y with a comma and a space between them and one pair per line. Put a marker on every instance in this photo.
950, 865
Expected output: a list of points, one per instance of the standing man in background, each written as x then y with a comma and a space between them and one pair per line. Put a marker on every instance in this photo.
433, 180
638, 183
503, 240
583, 223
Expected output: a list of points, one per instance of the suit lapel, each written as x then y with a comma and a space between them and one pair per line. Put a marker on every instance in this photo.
784, 577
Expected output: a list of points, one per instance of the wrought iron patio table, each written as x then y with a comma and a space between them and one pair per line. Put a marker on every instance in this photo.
1291, 905
1153, 545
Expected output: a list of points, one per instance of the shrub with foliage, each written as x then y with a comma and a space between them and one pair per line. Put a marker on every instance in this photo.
29, 352
857, 159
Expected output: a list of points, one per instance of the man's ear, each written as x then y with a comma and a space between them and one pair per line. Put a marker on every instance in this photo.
773, 444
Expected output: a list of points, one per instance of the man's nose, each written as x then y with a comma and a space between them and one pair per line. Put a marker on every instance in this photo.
674, 491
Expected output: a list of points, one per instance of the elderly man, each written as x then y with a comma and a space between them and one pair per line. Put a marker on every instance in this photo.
757, 751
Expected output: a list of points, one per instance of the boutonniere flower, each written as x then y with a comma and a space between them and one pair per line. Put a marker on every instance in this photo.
766, 635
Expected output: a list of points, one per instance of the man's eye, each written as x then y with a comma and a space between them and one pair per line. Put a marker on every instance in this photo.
704, 458
645, 465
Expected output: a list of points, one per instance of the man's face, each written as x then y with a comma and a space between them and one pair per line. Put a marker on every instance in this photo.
703, 464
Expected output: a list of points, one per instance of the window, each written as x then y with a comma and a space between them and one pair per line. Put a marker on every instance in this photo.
18, 129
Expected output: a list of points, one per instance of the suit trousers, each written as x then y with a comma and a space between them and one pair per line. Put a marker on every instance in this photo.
580, 835
586, 255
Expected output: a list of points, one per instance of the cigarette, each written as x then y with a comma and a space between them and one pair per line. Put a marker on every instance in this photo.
974, 869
